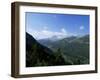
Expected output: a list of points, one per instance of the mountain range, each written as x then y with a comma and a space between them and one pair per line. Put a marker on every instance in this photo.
40, 55
71, 50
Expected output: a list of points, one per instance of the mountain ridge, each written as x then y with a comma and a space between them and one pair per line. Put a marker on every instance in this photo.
77, 47
39, 55
68, 51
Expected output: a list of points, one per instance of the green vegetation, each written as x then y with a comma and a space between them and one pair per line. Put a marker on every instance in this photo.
68, 51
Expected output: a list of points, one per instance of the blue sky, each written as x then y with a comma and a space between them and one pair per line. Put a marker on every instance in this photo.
46, 25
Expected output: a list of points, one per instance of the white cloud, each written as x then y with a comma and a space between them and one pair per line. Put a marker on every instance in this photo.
63, 30
45, 33
81, 27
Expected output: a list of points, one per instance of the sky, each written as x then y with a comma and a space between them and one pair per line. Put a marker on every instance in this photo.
47, 25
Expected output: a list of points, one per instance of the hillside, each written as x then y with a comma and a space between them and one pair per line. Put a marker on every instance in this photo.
39, 55
75, 49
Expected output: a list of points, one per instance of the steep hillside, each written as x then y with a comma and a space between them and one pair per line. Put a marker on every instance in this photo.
39, 55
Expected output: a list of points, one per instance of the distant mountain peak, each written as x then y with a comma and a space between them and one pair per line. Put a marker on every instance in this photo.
54, 38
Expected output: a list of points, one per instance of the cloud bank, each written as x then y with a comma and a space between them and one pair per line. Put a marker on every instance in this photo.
46, 33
